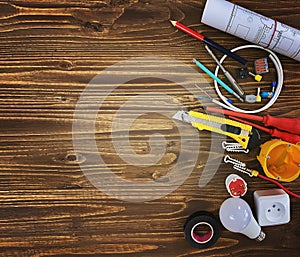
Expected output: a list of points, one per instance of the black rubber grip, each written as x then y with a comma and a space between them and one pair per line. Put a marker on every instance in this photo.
231, 129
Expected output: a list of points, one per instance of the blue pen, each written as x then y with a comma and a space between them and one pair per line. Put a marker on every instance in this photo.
226, 87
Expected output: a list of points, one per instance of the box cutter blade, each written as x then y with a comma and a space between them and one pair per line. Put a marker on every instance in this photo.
244, 134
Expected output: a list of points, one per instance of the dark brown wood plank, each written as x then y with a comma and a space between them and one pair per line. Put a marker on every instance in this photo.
49, 52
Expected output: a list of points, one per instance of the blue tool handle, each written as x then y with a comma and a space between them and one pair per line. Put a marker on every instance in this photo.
224, 50
202, 67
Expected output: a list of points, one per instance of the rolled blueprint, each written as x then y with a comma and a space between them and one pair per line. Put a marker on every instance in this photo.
253, 27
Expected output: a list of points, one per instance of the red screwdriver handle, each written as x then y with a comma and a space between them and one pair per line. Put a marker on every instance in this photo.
291, 125
288, 137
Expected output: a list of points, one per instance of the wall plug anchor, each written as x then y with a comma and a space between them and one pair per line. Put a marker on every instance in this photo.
228, 159
234, 147
240, 166
244, 170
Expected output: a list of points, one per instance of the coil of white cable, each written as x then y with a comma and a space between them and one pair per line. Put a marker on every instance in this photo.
274, 58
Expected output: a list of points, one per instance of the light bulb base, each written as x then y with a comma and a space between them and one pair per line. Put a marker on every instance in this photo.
261, 236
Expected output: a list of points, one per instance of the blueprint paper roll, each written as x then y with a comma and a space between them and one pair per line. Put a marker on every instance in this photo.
253, 27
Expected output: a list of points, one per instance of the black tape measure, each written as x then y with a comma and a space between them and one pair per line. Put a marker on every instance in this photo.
201, 230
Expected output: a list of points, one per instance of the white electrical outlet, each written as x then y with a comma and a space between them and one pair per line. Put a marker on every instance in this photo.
272, 207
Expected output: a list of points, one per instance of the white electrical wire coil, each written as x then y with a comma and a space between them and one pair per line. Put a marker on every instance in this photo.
279, 71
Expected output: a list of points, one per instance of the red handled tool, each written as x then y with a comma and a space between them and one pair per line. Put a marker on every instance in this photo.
291, 125
285, 136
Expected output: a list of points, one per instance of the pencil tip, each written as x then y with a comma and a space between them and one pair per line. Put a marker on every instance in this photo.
173, 22
194, 60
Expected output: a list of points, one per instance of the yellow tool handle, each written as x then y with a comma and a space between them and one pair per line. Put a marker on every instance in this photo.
242, 138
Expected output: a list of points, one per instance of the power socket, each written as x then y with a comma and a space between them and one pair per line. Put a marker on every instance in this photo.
272, 207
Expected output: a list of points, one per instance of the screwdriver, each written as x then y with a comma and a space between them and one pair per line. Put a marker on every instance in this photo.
285, 136
291, 125
226, 73
208, 72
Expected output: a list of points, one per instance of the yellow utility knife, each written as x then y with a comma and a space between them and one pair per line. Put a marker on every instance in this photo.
240, 132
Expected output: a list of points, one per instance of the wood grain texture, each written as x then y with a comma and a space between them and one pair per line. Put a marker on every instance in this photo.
49, 52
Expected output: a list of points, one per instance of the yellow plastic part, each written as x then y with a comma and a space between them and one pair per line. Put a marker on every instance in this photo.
280, 160
254, 173
258, 78
242, 138
258, 97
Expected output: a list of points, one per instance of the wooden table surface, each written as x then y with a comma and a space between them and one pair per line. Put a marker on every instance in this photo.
49, 52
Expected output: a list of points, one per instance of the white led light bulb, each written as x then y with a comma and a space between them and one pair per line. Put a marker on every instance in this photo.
236, 216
